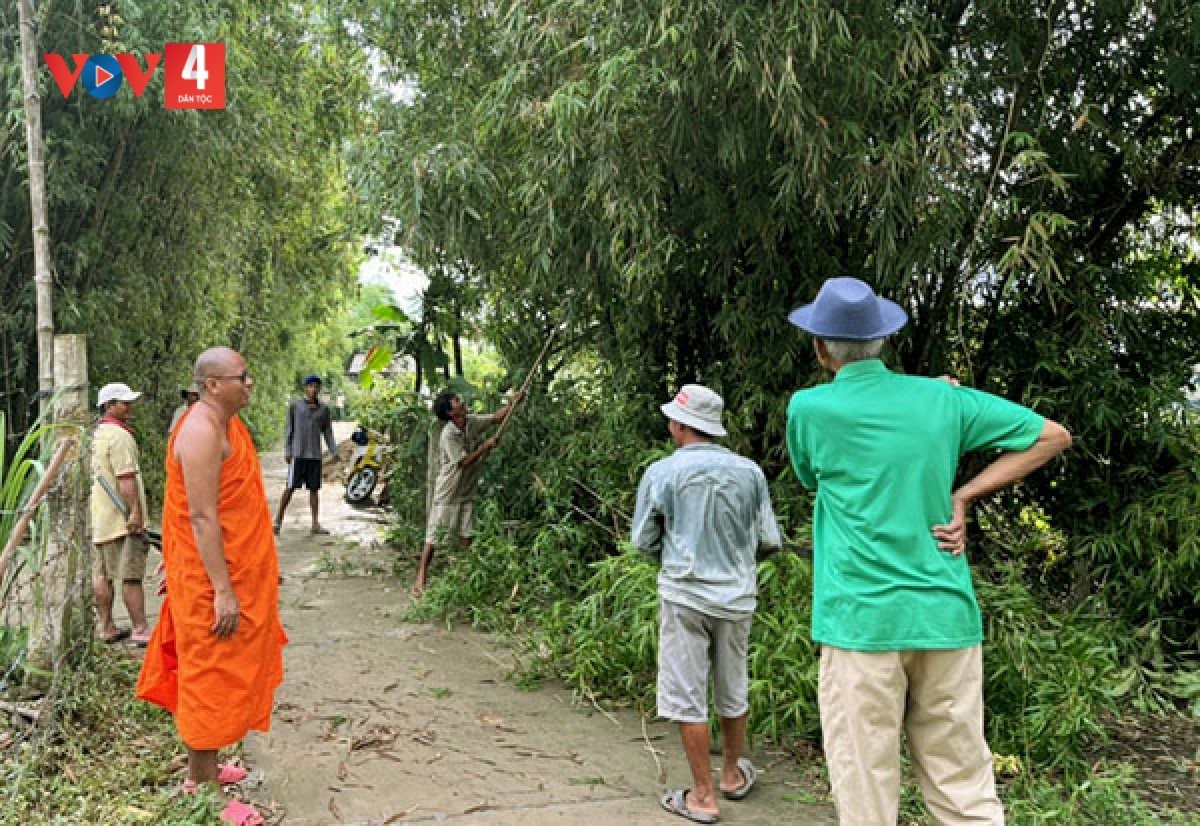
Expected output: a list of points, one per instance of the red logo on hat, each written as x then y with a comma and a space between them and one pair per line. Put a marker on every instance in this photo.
682, 398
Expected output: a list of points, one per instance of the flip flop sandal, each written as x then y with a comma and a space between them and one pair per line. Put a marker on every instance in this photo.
226, 776
122, 634
749, 775
675, 802
230, 773
141, 641
241, 814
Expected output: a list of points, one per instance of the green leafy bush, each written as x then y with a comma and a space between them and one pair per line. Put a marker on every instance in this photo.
1108, 797
1049, 678
83, 770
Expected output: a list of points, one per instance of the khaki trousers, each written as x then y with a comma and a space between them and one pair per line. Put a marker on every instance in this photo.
936, 697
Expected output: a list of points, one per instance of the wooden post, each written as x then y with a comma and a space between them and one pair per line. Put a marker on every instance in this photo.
62, 622
37, 202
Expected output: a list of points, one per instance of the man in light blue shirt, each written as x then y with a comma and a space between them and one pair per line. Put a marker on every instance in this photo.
706, 512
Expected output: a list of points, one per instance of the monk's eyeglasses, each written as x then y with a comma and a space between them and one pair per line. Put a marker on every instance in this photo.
241, 377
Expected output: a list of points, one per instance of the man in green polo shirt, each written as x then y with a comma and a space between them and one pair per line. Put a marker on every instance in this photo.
893, 606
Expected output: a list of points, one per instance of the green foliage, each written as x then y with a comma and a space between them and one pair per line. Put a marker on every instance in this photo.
1108, 797
610, 643
511, 584
108, 761
1051, 680
174, 231
20, 473
668, 182
783, 657
389, 407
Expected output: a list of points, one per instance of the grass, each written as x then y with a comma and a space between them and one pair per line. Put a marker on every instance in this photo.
109, 758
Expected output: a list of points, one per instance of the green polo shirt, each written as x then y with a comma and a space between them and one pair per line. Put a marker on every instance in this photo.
882, 450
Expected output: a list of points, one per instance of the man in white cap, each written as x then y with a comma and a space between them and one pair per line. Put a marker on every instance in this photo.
118, 504
893, 606
706, 512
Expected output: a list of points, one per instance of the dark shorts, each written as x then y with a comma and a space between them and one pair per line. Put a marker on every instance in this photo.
304, 473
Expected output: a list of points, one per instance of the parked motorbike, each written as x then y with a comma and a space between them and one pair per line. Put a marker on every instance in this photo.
367, 466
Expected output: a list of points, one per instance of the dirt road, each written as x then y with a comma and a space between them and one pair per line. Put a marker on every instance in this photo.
382, 721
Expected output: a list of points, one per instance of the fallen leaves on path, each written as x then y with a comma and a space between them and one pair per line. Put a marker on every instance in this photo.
374, 737
529, 751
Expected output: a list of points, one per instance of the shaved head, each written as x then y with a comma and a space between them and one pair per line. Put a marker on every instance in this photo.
215, 361
220, 373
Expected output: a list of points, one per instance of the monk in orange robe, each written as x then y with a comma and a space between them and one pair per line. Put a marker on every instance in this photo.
216, 656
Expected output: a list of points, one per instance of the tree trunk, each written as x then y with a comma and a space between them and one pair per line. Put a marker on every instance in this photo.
37, 200
457, 341
61, 622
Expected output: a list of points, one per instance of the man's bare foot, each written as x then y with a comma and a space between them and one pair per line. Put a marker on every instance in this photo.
686, 804
732, 782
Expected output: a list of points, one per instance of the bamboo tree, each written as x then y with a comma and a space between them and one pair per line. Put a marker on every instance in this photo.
37, 199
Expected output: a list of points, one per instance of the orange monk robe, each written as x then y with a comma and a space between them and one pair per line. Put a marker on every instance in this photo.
218, 689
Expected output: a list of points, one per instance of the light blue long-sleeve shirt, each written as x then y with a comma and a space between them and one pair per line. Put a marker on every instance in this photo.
706, 511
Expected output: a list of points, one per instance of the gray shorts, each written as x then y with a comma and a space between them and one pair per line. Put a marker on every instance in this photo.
450, 520
688, 642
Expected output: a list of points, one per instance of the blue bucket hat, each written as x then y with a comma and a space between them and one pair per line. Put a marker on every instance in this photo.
847, 309
313, 379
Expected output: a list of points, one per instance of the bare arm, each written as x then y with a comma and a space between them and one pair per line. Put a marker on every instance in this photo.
1006, 470
136, 520
504, 412
479, 453
200, 454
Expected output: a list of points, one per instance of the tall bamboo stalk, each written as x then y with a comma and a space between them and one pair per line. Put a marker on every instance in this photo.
37, 203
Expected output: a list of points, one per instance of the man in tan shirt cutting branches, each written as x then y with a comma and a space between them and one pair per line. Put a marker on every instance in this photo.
457, 462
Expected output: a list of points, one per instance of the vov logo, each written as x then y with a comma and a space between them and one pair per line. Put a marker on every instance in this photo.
194, 74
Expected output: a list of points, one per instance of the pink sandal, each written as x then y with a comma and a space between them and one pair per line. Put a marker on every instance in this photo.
227, 775
230, 773
241, 814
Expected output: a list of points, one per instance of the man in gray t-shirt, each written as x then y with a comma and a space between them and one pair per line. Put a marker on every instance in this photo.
705, 512
456, 463
308, 422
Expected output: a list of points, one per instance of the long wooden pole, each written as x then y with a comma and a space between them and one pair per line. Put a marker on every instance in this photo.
528, 379
65, 449
37, 204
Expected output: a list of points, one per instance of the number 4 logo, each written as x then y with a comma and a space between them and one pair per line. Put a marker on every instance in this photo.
195, 75
193, 69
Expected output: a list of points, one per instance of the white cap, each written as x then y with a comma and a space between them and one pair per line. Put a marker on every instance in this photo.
116, 392
697, 407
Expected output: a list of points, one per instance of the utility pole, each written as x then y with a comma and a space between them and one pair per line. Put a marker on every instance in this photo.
37, 204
